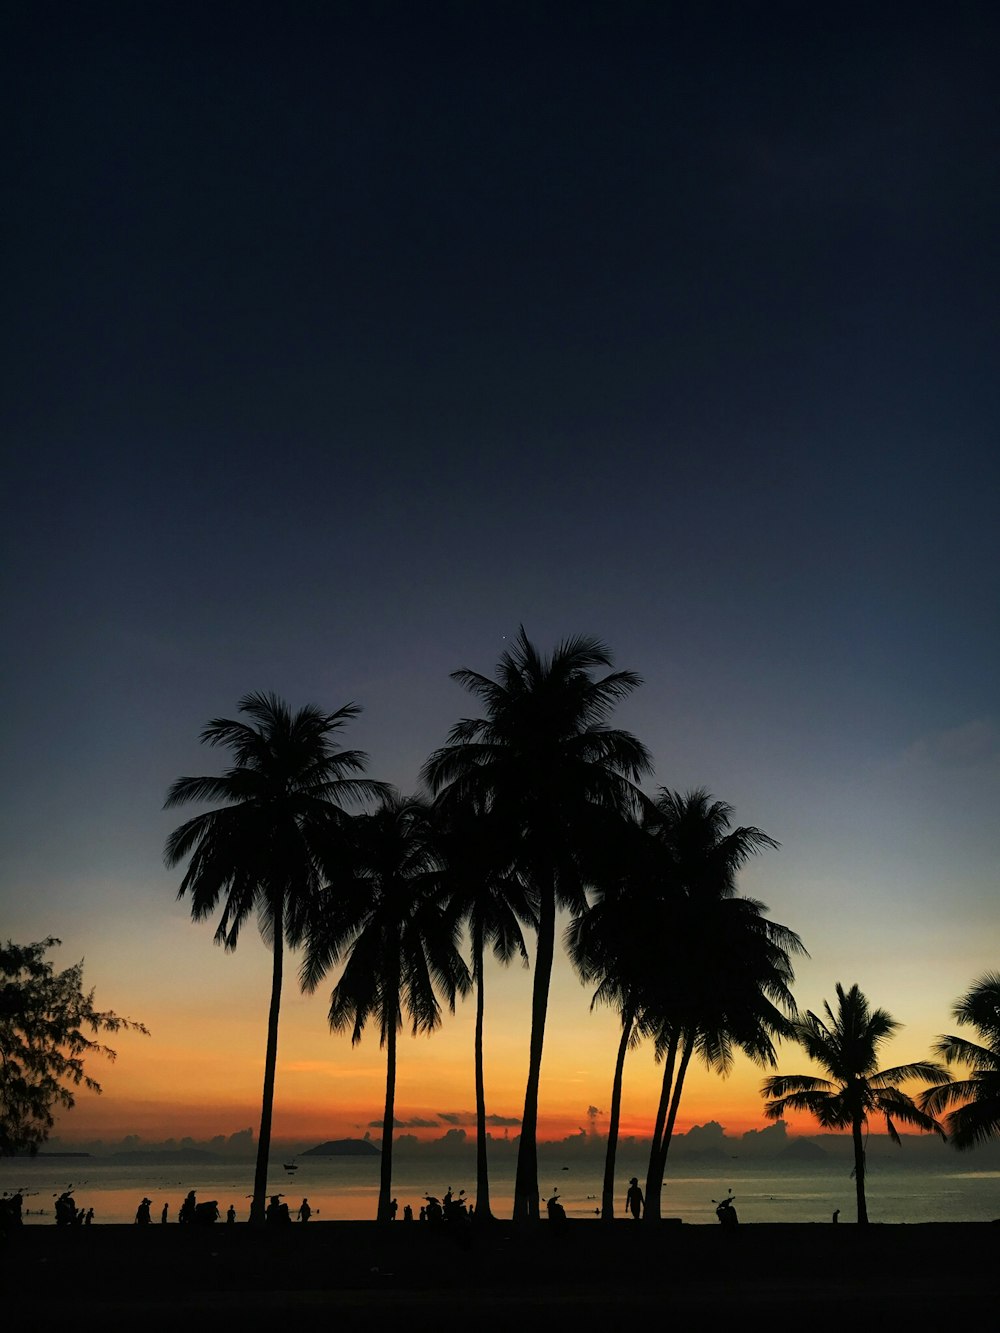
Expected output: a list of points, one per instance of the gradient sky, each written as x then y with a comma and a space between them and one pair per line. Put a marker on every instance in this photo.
342, 339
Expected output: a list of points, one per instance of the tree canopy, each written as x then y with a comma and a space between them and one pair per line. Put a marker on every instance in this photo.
45, 1019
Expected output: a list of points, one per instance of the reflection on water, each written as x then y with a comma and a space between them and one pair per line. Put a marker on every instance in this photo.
345, 1189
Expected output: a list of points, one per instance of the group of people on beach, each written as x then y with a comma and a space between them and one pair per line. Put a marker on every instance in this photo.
191, 1211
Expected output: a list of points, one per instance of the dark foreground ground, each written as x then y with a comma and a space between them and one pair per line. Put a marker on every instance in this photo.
348, 1276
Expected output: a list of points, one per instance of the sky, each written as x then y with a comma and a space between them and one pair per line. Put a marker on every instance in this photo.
342, 340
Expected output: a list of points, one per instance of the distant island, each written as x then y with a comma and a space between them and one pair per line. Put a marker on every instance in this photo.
343, 1148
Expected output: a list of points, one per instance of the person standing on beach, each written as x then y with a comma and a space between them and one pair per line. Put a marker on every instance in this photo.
305, 1212
142, 1213
634, 1199
230, 1214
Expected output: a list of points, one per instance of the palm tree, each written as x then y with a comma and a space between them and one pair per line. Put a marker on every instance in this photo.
481, 883
725, 974
398, 941
543, 763
976, 1117
846, 1045
725, 990
259, 854
615, 943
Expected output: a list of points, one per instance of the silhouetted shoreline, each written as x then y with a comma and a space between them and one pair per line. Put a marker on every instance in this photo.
351, 1273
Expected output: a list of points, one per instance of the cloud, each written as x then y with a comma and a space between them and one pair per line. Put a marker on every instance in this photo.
469, 1118
965, 746
415, 1123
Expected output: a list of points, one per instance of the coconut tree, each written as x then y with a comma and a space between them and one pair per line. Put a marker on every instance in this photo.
389, 925
846, 1045
725, 990
259, 853
975, 1118
480, 881
725, 970
616, 944
543, 762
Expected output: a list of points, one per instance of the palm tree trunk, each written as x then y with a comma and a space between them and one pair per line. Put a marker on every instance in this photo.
385, 1167
526, 1177
608, 1192
257, 1205
859, 1170
675, 1102
483, 1213
653, 1187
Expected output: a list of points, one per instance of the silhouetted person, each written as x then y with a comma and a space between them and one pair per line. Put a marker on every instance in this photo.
65, 1209
555, 1210
142, 1213
276, 1211
634, 1199
165, 1210
393, 1209
305, 1212
836, 1215
89, 1218
230, 1214
187, 1208
407, 1213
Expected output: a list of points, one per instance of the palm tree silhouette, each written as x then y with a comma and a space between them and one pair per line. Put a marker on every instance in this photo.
725, 971
616, 943
388, 923
543, 763
479, 878
261, 852
976, 1117
846, 1045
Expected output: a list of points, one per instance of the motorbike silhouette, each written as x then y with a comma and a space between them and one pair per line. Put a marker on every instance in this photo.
725, 1210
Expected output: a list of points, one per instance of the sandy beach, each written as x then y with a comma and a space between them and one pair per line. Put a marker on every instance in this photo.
351, 1275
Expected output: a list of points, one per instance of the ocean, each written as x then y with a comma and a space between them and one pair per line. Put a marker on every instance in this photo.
346, 1188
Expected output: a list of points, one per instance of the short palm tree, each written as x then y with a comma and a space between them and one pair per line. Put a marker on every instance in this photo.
616, 944
725, 971
975, 1118
544, 763
259, 854
480, 881
389, 925
846, 1044
725, 989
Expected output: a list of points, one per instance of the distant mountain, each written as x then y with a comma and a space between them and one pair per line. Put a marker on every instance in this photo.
342, 1148
165, 1157
25, 1153
801, 1150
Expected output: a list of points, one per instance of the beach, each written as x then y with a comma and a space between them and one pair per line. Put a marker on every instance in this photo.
356, 1275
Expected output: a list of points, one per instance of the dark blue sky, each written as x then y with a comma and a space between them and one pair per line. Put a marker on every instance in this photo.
340, 339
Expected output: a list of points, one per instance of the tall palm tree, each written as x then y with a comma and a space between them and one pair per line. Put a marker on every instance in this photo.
725, 973
543, 762
846, 1045
976, 1117
479, 878
389, 925
259, 854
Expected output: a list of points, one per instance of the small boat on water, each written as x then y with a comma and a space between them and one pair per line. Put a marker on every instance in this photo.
291, 1166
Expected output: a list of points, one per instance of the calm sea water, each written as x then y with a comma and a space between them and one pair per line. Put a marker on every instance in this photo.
347, 1188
